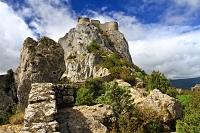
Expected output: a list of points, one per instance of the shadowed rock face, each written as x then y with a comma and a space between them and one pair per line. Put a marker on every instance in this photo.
86, 119
41, 61
8, 94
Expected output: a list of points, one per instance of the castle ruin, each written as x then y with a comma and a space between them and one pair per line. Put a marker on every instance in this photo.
107, 26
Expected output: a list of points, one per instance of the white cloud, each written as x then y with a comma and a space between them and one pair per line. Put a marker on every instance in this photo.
192, 3
49, 18
13, 30
172, 52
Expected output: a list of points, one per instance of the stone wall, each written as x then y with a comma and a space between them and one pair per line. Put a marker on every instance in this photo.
107, 26
83, 20
64, 94
41, 109
95, 23
44, 100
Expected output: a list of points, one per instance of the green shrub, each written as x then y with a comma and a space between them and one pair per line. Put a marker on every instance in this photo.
140, 75
128, 75
115, 71
184, 99
84, 97
171, 91
116, 96
149, 121
5, 119
89, 91
111, 61
100, 30
190, 121
64, 80
93, 46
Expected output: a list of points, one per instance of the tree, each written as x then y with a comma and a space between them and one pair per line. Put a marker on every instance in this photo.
120, 99
157, 81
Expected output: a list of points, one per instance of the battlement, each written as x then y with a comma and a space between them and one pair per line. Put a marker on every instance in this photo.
107, 26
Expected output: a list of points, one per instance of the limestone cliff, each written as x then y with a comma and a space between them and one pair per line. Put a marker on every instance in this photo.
84, 64
41, 61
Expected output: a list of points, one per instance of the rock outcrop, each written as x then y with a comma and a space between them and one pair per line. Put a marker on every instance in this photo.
41, 61
87, 119
167, 108
85, 64
196, 87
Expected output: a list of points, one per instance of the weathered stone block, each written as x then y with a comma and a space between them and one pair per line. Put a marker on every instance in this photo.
68, 99
70, 92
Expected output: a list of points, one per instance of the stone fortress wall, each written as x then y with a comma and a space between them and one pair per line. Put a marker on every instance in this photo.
107, 26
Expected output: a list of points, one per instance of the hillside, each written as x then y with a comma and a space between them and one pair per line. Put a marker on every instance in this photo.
185, 84
86, 82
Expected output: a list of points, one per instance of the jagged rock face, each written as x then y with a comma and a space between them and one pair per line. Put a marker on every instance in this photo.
86, 119
75, 43
82, 67
40, 62
120, 44
39, 115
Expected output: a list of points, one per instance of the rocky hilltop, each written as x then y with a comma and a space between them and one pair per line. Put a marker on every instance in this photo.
75, 44
50, 73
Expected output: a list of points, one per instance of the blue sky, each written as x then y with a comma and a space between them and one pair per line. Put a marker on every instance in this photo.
163, 35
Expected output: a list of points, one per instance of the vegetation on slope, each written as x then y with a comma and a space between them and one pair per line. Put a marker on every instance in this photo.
157, 80
190, 121
129, 118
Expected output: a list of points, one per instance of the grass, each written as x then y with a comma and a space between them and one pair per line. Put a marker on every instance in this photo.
17, 119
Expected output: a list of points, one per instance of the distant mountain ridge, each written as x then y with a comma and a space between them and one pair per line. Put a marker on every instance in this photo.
185, 84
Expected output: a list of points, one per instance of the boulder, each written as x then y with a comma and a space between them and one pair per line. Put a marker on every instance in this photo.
41, 61
139, 83
86, 119
168, 108
196, 87
122, 83
104, 74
